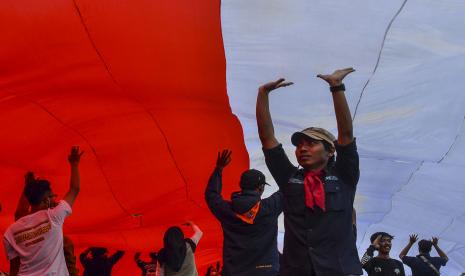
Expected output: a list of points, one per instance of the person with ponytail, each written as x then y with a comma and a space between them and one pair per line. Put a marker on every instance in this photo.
176, 258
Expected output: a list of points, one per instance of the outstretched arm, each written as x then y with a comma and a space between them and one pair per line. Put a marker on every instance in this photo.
74, 186
197, 232
368, 256
116, 256
343, 117
83, 256
22, 208
264, 121
441, 253
215, 201
404, 252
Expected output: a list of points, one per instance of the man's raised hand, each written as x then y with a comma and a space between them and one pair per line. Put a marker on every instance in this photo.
75, 156
223, 159
413, 238
337, 76
270, 86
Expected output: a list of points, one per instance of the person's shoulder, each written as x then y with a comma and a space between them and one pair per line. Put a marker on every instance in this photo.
63, 204
272, 197
278, 147
438, 260
29, 220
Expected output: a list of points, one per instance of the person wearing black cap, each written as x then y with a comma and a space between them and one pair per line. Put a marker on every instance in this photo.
249, 223
319, 195
383, 264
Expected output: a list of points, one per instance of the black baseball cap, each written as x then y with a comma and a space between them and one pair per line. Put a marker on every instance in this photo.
252, 179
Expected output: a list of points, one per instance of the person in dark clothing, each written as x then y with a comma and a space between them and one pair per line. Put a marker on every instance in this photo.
424, 264
318, 195
249, 223
148, 268
354, 223
383, 264
99, 263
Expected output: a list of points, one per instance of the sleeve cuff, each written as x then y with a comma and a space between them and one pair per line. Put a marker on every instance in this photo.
273, 151
349, 147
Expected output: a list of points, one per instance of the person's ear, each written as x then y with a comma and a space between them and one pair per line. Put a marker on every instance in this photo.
331, 152
45, 202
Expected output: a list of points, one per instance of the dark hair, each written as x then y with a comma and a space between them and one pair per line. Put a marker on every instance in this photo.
424, 246
98, 251
153, 255
36, 190
174, 250
383, 234
329, 148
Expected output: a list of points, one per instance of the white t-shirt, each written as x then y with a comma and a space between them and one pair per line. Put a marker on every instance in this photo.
38, 240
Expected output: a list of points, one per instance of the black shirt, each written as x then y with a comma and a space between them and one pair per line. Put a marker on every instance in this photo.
375, 266
314, 240
384, 267
421, 268
249, 249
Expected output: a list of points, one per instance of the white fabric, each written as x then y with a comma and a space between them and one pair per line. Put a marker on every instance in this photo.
38, 240
410, 120
197, 234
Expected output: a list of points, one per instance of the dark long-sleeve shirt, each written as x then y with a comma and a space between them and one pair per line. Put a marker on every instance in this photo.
249, 248
322, 242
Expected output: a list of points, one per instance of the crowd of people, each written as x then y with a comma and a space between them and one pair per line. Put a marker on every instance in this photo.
316, 198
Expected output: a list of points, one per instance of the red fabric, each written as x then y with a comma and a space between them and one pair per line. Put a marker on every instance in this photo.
141, 87
314, 190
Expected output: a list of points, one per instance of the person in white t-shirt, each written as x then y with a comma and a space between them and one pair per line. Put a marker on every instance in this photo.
34, 243
176, 258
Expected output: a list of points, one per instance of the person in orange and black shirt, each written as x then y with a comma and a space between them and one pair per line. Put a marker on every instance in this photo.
249, 223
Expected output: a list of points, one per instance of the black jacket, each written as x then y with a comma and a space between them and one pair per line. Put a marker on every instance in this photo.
249, 248
315, 241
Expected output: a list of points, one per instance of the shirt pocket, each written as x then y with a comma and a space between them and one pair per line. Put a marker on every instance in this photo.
295, 199
334, 195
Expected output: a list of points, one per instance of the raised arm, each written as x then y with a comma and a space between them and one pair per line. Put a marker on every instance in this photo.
368, 256
197, 233
441, 253
412, 241
74, 186
22, 208
343, 117
116, 256
137, 256
218, 206
264, 122
83, 256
